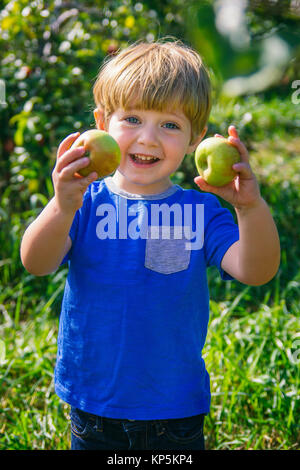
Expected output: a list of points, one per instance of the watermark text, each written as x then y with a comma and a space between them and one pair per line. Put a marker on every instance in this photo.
2, 92
158, 222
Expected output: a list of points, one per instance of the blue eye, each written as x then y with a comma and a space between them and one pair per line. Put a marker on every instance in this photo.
171, 125
132, 120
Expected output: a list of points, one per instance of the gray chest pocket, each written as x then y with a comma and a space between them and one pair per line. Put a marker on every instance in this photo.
166, 251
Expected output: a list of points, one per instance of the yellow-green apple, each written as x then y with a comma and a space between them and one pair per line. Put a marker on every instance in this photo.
214, 158
103, 151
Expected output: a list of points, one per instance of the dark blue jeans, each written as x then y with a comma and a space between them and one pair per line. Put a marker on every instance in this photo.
91, 432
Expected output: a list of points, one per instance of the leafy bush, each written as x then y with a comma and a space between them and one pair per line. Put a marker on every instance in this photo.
50, 55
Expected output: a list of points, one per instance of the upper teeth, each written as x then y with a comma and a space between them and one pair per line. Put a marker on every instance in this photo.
143, 157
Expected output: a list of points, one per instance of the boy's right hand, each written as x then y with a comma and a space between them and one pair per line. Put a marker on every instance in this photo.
69, 187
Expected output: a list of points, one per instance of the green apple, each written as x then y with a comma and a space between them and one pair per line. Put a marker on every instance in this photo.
103, 151
214, 158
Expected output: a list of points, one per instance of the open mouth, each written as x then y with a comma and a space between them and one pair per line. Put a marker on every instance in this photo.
143, 159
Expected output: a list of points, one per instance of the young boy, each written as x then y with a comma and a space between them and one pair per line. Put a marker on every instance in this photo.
136, 304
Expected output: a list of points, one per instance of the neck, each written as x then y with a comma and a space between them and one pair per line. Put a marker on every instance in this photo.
136, 188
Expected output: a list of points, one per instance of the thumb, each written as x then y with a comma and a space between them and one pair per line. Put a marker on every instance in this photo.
201, 183
92, 177
85, 181
243, 169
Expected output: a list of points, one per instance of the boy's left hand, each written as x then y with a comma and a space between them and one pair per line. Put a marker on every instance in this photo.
243, 192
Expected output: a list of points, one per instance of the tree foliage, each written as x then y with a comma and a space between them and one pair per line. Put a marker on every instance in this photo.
51, 52
50, 55
250, 45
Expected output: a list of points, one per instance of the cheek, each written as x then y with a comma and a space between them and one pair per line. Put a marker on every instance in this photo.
123, 138
118, 136
176, 148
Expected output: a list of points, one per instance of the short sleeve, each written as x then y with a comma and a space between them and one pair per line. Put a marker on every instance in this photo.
221, 232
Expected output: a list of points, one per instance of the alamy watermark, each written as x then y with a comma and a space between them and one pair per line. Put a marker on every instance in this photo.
2, 92
158, 222
295, 355
295, 95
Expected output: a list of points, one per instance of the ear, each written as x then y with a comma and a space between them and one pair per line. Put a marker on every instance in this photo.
99, 118
193, 145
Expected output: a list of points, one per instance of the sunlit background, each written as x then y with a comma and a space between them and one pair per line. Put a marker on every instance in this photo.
50, 53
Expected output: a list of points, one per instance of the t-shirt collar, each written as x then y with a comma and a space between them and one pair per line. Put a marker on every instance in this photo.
115, 189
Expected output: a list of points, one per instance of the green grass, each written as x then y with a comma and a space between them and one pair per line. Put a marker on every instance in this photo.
31, 416
255, 379
249, 355
253, 345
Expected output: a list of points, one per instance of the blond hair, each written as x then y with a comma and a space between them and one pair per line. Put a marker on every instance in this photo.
158, 75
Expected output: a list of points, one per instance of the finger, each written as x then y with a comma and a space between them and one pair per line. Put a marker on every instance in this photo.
201, 183
243, 169
68, 171
66, 143
69, 156
241, 148
83, 182
89, 179
218, 135
233, 132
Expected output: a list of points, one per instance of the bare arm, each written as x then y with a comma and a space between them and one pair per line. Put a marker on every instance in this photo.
254, 258
46, 240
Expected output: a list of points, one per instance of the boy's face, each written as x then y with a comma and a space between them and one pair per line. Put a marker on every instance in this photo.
153, 145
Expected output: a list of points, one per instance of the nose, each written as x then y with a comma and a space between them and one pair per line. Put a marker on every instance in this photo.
148, 136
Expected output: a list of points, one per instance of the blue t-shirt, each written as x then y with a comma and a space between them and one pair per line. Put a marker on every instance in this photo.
136, 303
